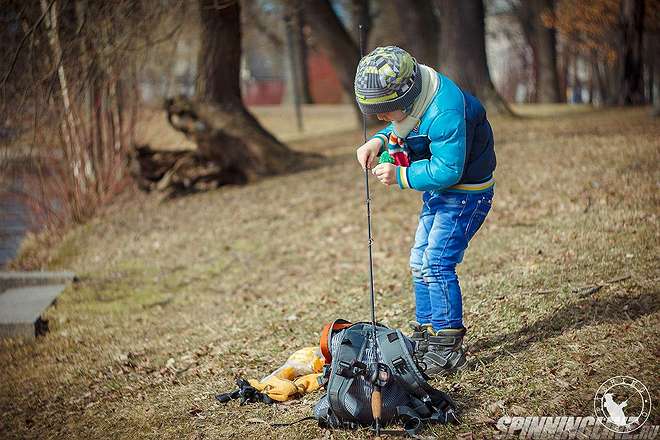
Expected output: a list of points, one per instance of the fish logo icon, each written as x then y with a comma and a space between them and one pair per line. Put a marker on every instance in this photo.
618, 398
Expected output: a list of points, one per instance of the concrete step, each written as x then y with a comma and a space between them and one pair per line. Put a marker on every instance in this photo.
21, 309
10, 280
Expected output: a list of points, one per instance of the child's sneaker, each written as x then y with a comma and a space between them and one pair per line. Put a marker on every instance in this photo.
445, 353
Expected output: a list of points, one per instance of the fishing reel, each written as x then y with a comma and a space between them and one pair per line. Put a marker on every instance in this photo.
378, 374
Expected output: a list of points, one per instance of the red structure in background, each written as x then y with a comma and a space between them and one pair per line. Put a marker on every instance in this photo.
263, 92
324, 85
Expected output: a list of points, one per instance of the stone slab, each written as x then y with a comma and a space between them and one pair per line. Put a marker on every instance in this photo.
11, 280
21, 309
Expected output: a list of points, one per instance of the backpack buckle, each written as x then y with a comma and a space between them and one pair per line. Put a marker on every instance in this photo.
355, 368
400, 365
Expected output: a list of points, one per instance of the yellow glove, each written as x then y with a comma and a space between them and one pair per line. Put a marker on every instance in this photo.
299, 375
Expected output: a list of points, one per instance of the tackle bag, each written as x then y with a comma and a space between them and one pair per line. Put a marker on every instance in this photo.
352, 366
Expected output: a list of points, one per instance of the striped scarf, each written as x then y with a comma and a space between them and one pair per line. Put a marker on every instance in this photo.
401, 129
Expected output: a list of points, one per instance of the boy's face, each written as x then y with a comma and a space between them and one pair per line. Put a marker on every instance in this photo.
394, 116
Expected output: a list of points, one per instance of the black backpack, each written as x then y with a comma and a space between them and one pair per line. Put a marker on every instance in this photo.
407, 397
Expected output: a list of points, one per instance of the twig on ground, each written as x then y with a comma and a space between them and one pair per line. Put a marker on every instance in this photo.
543, 292
161, 303
588, 290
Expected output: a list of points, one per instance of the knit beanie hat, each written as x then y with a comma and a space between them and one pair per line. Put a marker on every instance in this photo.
387, 79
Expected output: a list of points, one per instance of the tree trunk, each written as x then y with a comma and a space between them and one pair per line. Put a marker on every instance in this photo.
547, 82
543, 42
343, 52
232, 147
360, 15
597, 79
652, 48
294, 22
632, 29
219, 59
563, 72
463, 51
420, 27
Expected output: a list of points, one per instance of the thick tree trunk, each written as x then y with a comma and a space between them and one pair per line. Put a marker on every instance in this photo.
232, 147
419, 24
543, 42
463, 51
361, 15
344, 53
219, 59
632, 27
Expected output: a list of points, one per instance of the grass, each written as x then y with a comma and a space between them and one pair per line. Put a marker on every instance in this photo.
178, 299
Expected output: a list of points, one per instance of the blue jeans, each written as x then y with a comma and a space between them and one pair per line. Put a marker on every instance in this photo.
447, 222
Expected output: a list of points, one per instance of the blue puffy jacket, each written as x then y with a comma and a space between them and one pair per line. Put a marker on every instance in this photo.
452, 147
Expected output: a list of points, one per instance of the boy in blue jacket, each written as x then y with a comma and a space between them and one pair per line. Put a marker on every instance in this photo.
442, 145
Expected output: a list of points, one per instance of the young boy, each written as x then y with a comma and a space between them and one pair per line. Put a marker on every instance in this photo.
442, 145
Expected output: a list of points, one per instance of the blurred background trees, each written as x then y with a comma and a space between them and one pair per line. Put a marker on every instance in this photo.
81, 75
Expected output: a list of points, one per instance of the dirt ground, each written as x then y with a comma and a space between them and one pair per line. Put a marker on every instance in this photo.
177, 299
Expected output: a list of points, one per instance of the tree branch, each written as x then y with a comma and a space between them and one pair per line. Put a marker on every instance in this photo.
23, 40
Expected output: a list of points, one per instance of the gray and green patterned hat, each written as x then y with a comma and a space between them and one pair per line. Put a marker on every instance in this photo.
387, 79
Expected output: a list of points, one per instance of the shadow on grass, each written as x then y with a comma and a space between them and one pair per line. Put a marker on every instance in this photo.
571, 316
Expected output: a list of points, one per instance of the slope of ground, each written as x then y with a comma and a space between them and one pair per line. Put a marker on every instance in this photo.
178, 299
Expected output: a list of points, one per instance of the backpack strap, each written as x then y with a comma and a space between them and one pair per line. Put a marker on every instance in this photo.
279, 425
427, 403
352, 343
326, 337
355, 343
413, 422
327, 419
396, 355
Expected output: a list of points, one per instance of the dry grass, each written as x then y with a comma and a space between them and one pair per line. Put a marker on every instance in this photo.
227, 283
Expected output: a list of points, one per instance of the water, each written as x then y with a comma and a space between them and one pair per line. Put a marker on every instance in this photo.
15, 221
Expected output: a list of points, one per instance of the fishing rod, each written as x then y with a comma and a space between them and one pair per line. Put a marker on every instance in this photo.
380, 375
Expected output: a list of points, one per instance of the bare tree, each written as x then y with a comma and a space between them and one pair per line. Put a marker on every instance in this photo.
360, 14
416, 25
419, 25
295, 20
332, 36
232, 146
632, 29
535, 18
463, 50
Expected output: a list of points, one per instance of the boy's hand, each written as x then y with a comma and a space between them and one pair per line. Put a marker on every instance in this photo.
386, 173
368, 153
